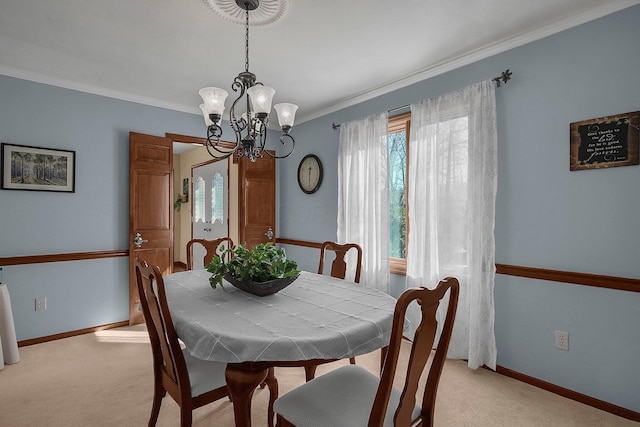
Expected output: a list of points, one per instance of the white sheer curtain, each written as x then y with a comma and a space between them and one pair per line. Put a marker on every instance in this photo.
363, 195
452, 190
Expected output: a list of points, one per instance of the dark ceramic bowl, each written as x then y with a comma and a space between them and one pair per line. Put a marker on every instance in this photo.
261, 288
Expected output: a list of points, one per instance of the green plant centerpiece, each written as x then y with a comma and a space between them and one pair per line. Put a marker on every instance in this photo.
263, 270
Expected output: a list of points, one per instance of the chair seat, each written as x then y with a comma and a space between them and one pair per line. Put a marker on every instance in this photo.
340, 398
204, 376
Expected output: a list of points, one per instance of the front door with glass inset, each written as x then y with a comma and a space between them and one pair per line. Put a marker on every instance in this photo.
210, 213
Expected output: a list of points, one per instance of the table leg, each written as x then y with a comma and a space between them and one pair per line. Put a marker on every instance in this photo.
272, 383
242, 382
310, 372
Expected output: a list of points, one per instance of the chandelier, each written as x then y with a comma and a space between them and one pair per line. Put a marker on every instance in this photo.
254, 101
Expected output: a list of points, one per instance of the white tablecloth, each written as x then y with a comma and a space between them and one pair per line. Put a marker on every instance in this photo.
316, 317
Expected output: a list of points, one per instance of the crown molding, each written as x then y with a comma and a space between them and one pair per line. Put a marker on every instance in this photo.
474, 56
438, 69
97, 90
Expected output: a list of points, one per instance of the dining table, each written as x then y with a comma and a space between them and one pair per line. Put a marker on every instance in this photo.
315, 319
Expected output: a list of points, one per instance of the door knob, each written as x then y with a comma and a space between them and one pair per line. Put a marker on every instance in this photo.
269, 234
138, 240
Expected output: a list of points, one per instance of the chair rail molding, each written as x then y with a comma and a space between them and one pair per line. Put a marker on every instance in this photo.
584, 279
62, 257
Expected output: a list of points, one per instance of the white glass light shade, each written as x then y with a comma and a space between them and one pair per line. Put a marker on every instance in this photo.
207, 120
286, 113
261, 97
213, 98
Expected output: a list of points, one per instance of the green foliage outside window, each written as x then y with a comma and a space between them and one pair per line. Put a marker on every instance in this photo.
398, 193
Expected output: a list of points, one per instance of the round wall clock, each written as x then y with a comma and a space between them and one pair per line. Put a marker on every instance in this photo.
310, 173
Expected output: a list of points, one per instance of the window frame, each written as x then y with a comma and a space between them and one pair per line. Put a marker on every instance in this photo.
398, 123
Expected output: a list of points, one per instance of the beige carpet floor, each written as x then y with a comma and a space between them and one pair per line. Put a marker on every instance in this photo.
105, 379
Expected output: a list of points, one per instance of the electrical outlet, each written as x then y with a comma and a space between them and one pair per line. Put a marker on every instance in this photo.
41, 304
562, 340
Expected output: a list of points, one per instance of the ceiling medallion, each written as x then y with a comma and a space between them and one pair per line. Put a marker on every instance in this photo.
269, 11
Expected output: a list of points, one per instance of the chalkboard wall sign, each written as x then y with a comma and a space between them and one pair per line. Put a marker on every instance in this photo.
605, 142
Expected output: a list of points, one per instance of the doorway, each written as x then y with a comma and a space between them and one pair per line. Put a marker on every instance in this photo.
187, 153
251, 196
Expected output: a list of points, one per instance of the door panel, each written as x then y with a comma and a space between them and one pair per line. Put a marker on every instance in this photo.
150, 208
257, 195
152, 219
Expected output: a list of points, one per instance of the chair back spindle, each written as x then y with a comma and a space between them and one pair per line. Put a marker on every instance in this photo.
339, 264
212, 247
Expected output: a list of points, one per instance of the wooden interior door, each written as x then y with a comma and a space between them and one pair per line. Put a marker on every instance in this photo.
150, 209
257, 201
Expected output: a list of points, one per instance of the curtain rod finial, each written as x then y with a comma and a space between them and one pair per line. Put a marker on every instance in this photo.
505, 77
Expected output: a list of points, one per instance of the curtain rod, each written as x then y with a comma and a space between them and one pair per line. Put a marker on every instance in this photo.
504, 77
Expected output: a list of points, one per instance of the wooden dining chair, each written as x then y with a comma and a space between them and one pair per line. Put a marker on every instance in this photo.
339, 264
339, 270
190, 381
353, 394
212, 247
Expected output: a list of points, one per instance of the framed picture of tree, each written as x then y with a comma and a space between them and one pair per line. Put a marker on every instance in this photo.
39, 169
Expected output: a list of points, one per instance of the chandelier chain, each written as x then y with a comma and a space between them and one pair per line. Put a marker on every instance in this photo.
246, 45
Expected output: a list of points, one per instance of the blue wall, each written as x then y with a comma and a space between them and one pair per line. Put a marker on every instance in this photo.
547, 216
79, 294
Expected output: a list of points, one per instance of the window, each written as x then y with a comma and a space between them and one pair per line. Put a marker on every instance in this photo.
398, 136
198, 200
217, 199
